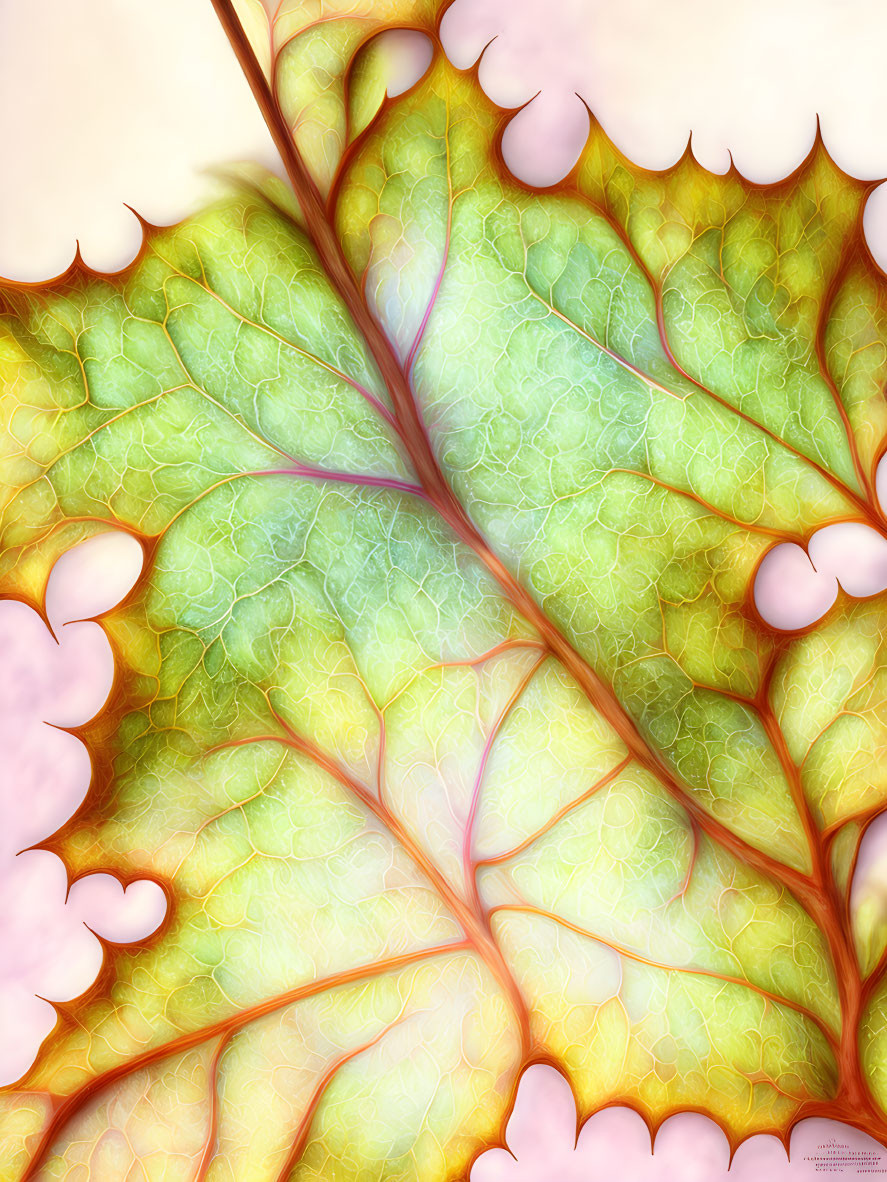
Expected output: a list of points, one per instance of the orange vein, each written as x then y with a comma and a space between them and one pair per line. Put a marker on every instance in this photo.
769, 531
862, 506
826, 306
209, 1147
301, 1135
727, 978
226, 1026
431, 477
468, 865
550, 824
474, 926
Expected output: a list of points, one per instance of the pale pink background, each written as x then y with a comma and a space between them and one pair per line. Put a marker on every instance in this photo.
50, 680
107, 101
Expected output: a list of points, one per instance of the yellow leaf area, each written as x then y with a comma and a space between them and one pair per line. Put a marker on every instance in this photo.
444, 713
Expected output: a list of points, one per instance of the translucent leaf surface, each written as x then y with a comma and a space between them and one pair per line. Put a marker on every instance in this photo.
446, 717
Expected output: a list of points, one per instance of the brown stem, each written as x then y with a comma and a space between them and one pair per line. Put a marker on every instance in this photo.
438, 491
815, 891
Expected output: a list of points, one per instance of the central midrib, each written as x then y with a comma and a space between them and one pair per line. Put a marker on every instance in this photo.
417, 443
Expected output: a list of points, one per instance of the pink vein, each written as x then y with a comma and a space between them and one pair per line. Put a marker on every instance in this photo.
310, 473
472, 920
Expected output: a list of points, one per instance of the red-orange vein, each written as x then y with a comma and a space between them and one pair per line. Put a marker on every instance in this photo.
828, 301
468, 865
306, 473
301, 1135
604, 780
439, 492
769, 531
835, 481
367, 395
209, 1146
866, 510
470, 662
437, 488
472, 924
691, 866
791, 772
68, 1107
629, 954
495, 651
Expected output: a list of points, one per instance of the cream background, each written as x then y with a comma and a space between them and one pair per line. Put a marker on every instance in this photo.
111, 101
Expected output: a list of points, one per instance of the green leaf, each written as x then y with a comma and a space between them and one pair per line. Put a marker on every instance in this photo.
446, 716
307, 55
